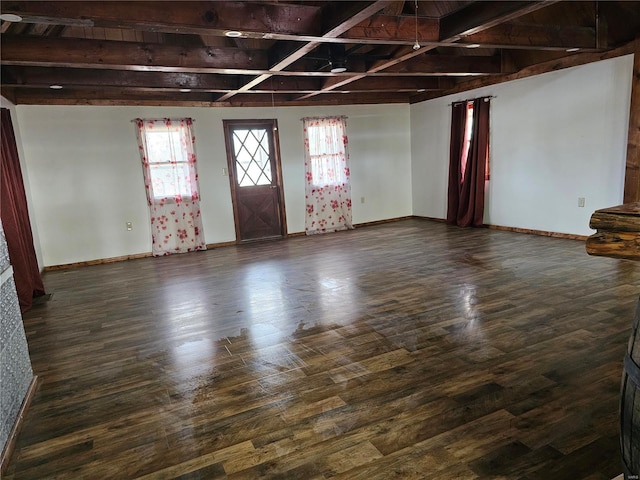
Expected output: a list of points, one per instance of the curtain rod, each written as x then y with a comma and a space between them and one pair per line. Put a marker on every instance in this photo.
163, 118
471, 100
322, 118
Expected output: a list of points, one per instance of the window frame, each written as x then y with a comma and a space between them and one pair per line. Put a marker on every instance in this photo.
185, 164
339, 177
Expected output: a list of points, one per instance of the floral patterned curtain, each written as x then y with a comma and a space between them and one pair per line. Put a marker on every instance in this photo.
328, 189
171, 182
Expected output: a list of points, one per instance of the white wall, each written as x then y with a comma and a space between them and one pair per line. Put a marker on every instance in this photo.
554, 137
86, 179
4, 103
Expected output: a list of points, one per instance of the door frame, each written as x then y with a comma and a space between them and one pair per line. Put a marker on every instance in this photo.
271, 123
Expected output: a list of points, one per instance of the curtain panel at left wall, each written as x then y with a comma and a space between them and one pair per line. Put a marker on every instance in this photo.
15, 219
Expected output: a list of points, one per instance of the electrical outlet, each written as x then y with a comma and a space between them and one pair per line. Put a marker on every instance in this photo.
361, 199
225, 171
581, 201
129, 226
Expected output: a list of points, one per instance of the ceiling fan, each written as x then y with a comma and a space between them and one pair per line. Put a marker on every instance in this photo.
335, 57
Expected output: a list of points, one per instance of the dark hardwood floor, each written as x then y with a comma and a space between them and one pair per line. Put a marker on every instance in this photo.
406, 350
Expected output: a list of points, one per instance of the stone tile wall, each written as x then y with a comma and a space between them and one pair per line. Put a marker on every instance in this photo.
15, 366
4, 253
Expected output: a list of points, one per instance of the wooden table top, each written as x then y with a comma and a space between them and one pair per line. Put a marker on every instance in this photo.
618, 232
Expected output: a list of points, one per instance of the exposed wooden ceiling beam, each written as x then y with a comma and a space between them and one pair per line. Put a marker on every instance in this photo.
412, 84
110, 96
540, 36
114, 96
264, 22
331, 98
449, 64
371, 84
346, 21
83, 53
396, 28
95, 59
335, 83
482, 16
394, 8
284, 64
537, 69
5, 26
285, 84
38, 77
202, 18
290, 22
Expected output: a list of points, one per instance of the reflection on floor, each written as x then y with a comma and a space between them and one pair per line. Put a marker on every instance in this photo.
404, 350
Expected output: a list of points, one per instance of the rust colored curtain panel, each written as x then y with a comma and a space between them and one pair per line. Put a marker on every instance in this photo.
15, 219
458, 123
468, 154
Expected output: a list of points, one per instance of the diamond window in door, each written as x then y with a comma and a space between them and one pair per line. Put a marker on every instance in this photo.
253, 164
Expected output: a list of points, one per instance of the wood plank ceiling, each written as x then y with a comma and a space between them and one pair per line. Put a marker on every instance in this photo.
283, 52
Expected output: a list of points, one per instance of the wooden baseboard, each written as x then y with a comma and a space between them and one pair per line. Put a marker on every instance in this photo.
123, 258
359, 225
11, 442
544, 233
431, 219
528, 231
300, 234
99, 261
380, 222
211, 246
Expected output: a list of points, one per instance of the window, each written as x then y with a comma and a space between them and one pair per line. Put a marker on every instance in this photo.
169, 161
253, 161
168, 157
327, 187
468, 129
326, 154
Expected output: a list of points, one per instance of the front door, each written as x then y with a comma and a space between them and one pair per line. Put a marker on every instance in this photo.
256, 180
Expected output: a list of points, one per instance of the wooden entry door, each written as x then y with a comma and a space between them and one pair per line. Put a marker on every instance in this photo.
253, 156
